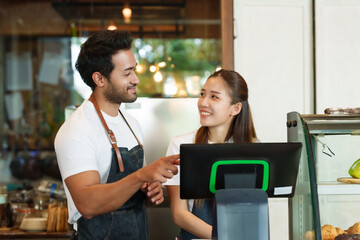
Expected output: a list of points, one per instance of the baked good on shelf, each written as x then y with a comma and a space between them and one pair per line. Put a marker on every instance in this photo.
309, 235
354, 229
347, 236
339, 230
328, 232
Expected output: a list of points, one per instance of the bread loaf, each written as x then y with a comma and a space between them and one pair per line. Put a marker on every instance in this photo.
65, 217
51, 220
59, 220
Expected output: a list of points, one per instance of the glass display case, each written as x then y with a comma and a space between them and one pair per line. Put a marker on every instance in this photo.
323, 198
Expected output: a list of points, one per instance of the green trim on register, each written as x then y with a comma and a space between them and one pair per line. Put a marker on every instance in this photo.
215, 165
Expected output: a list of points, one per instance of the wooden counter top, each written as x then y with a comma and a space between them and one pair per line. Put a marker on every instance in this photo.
15, 233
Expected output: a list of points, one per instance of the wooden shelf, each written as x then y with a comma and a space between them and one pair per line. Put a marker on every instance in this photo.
14, 233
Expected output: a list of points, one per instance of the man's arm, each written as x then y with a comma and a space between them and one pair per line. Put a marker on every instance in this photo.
92, 198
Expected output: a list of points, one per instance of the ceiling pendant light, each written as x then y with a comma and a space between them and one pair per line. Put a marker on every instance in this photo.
112, 26
127, 13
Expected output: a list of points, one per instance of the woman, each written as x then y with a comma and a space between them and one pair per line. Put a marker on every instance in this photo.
225, 118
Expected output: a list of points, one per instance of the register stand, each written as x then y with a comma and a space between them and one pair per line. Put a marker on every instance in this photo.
240, 177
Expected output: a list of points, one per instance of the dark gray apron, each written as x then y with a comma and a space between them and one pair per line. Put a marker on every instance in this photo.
129, 222
204, 212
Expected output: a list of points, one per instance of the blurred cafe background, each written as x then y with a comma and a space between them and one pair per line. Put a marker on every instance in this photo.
177, 44
296, 55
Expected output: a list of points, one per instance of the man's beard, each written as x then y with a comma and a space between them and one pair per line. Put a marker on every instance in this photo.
114, 96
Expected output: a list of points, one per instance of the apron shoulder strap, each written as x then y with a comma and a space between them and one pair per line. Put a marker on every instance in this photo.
131, 129
109, 132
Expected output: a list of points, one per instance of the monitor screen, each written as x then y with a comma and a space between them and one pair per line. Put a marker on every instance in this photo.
206, 168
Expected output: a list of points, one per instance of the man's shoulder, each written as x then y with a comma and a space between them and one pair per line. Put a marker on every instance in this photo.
81, 120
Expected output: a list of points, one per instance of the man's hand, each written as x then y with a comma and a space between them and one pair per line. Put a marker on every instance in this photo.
154, 191
160, 170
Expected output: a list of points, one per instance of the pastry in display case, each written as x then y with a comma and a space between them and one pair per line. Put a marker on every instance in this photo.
346, 236
326, 201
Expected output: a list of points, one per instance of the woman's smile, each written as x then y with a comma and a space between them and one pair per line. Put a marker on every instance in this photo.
205, 113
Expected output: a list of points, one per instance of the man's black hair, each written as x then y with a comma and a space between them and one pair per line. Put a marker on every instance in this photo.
96, 53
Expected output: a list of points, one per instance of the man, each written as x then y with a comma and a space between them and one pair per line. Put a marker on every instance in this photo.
99, 148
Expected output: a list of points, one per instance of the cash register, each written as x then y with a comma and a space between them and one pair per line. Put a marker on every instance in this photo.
241, 177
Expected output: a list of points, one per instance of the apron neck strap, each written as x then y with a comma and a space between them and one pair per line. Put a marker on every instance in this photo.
109, 132
131, 129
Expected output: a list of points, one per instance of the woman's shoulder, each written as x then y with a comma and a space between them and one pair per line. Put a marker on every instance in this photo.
185, 138
174, 144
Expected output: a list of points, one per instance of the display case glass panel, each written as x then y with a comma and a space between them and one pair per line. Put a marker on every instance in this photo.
332, 142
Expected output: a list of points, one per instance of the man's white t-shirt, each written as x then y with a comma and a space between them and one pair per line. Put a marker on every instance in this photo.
81, 144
